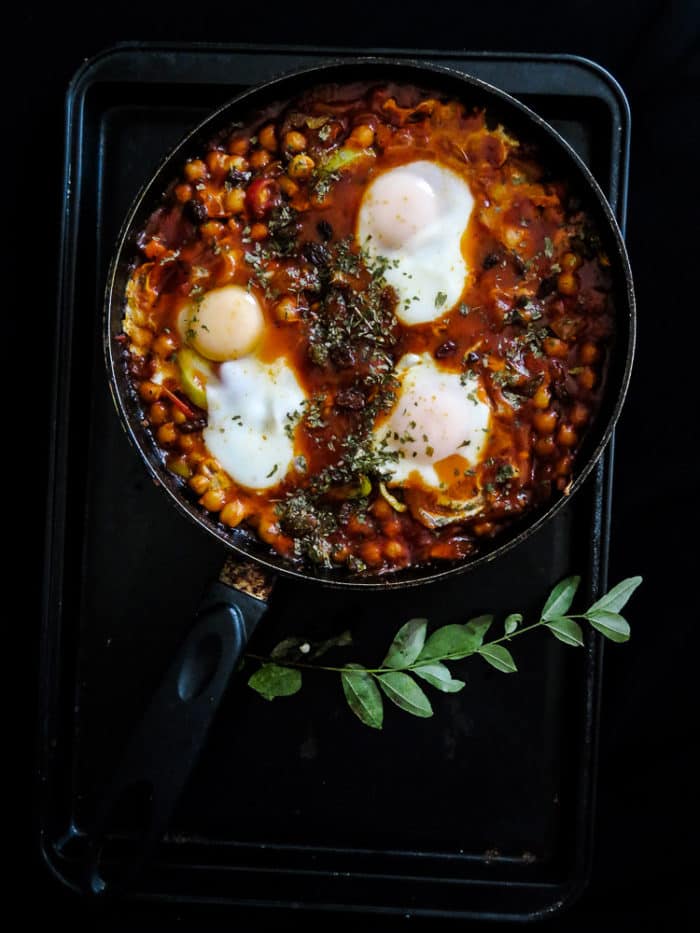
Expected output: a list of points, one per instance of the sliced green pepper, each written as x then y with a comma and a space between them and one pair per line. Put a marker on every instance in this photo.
194, 373
343, 157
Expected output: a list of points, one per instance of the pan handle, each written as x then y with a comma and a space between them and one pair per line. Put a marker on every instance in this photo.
166, 745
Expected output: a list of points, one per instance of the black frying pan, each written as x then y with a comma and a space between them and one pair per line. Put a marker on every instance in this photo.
189, 695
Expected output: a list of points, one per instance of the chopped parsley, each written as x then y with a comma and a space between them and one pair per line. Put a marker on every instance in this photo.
504, 472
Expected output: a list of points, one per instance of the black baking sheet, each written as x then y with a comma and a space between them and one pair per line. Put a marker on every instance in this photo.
485, 809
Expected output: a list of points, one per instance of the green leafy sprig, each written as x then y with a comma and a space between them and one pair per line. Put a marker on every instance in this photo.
414, 655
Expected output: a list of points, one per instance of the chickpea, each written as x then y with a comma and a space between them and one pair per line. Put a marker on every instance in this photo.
213, 500
541, 398
216, 161
579, 414
382, 509
238, 145
301, 166
363, 135
260, 158
513, 237
237, 163
341, 555
563, 466
212, 228
358, 528
184, 193
570, 262
200, 483
140, 336
589, 353
234, 201
154, 249
166, 434
287, 309
391, 527
294, 141
258, 231
395, 550
164, 345
545, 446
269, 531
289, 187
566, 436
195, 170
483, 528
545, 421
158, 413
553, 346
233, 513
371, 553
268, 137
185, 443
150, 391
179, 417
567, 283
586, 378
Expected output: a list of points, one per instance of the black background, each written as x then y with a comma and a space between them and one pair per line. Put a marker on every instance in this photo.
647, 783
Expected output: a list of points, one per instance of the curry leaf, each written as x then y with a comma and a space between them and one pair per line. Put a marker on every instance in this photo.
438, 676
617, 598
287, 648
451, 641
560, 599
272, 680
479, 626
405, 693
566, 630
407, 644
337, 641
498, 657
363, 695
610, 624
512, 622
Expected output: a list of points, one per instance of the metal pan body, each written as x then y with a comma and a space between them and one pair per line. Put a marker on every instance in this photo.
528, 126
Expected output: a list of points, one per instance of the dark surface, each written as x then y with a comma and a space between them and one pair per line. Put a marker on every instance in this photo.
645, 804
523, 747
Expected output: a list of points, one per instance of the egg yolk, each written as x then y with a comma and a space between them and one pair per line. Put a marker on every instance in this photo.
225, 325
397, 206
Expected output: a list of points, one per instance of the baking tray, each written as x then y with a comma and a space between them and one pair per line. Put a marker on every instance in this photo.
485, 810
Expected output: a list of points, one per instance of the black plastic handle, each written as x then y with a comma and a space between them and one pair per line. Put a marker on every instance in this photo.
166, 745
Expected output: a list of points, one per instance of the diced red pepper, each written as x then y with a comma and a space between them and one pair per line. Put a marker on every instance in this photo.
262, 196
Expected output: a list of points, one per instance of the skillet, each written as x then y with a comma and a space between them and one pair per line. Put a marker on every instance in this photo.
234, 605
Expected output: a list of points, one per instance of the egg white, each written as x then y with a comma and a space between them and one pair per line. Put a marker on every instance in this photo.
436, 415
251, 405
415, 216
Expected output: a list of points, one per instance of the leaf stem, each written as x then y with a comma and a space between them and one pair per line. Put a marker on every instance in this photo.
496, 641
313, 667
456, 656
